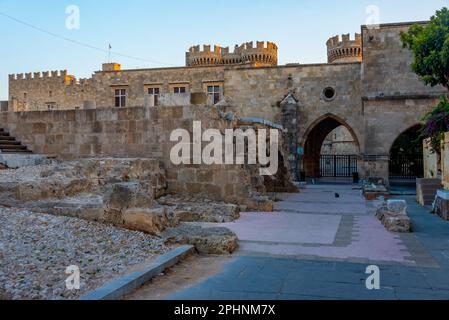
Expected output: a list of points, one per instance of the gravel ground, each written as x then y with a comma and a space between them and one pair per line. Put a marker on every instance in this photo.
36, 249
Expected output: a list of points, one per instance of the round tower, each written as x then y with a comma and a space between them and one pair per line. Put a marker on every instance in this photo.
260, 54
344, 50
205, 57
232, 57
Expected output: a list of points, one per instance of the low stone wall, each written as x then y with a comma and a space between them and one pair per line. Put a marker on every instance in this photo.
135, 132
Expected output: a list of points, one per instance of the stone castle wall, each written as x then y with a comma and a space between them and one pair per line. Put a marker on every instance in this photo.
139, 132
258, 92
376, 99
49, 90
137, 82
339, 142
386, 68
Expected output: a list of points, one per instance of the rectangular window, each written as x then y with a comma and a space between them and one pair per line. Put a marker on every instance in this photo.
51, 106
179, 89
214, 92
155, 92
120, 98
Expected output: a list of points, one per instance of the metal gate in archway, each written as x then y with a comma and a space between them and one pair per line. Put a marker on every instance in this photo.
338, 166
406, 167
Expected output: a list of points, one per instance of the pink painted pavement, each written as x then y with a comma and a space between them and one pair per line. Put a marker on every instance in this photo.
307, 224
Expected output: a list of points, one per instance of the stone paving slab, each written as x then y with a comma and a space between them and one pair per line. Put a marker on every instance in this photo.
413, 266
286, 228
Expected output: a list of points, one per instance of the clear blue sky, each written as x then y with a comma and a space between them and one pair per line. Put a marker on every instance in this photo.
163, 30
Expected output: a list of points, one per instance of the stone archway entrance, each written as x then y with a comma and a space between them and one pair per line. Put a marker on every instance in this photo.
317, 161
406, 157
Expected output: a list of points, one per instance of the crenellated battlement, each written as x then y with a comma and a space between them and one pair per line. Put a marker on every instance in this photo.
259, 53
344, 49
40, 75
60, 75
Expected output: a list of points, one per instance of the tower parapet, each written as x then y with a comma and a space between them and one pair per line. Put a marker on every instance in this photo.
58, 74
344, 49
204, 57
259, 55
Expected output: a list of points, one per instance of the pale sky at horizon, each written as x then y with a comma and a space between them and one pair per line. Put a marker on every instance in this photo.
162, 31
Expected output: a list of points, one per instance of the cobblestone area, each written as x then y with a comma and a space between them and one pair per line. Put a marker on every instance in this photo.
36, 249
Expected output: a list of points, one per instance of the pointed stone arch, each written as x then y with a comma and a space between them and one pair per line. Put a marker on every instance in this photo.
314, 138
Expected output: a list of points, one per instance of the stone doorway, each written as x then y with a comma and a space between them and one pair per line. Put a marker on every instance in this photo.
330, 137
406, 157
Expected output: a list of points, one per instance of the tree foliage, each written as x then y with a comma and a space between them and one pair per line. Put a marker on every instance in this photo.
430, 45
436, 124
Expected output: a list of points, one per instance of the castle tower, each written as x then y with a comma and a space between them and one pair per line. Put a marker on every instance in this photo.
206, 57
344, 50
258, 55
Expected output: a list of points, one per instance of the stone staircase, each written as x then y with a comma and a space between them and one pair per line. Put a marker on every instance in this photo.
9, 145
427, 190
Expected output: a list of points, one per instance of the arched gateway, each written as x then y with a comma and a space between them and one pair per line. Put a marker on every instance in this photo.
315, 164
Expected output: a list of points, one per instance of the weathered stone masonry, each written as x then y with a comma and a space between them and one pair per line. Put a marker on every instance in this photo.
139, 132
367, 86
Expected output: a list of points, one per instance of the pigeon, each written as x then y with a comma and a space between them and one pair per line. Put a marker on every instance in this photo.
337, 195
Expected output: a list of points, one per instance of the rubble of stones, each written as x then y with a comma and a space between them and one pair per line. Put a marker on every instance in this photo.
126, 193
393, 215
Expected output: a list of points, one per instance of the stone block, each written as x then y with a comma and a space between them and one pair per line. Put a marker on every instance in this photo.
150, 220
393, 215
441, 206
39, 128
397, 206
205, 176
195, 188
205, 240
129, 195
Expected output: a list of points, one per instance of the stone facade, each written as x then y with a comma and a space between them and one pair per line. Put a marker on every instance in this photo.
55, 90
339, 142
140, 132
374, 94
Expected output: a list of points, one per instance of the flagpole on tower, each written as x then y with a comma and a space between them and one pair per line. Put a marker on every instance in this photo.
109, 53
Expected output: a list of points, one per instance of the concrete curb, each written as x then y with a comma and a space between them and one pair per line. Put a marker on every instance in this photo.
122, 286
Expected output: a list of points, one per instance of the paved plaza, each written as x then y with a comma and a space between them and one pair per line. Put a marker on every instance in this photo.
318, 246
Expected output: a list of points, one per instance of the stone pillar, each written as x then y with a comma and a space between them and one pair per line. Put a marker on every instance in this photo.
376, 167
431, 161
290, 122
